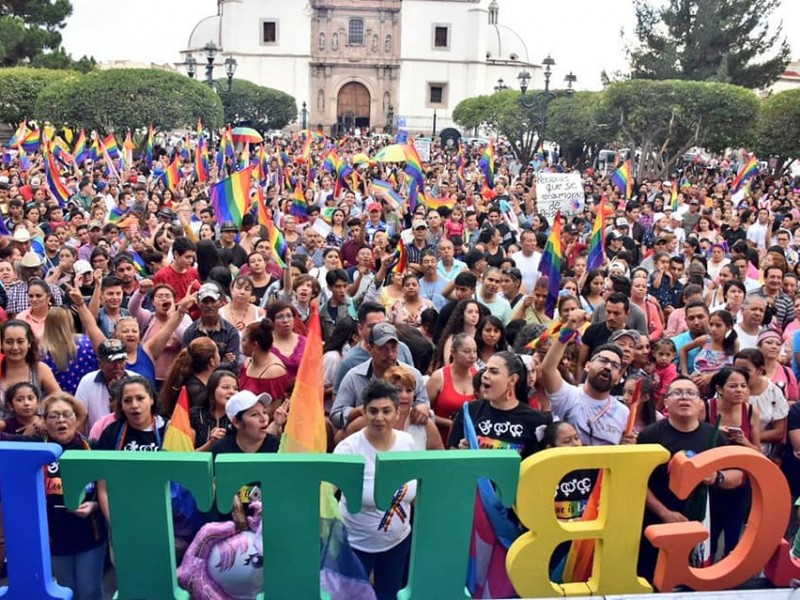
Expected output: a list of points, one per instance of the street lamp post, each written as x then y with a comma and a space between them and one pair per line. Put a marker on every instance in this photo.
304, 115
389, 119
191, 66
537, 103
230, 64
501, 85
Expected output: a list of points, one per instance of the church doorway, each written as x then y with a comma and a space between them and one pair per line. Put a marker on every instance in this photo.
352, 107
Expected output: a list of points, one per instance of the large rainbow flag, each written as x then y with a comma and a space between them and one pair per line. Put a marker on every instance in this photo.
172, 175
179, 436
342, 574
551, 263
597, 243
231, 196
80, 153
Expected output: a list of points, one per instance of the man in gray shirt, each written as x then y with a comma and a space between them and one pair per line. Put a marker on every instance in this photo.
383, 348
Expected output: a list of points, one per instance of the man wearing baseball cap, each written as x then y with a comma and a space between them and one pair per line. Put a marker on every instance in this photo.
382, 344
211, 325
94, 388
229, 251
375, 222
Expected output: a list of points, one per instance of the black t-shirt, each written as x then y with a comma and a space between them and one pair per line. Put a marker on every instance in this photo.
595, 336
250, 492
573, 493
119, 436
234, 255
496, 429
691, 442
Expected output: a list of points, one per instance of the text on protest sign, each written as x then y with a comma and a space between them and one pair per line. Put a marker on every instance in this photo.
559, 192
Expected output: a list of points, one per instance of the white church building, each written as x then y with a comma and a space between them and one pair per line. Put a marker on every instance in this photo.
361, 63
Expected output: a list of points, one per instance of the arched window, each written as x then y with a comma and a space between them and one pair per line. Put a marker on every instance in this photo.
387, 46
355, 33
322, 41
335, 41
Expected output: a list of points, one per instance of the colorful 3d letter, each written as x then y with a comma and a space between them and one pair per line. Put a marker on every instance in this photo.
443, 511
140, 510
290, 502
30, 574
762, 534
617, 530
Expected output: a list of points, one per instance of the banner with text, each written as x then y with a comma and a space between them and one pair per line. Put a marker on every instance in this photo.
559, 192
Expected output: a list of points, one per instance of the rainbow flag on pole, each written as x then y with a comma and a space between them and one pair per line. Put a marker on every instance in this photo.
414, 164
674, 196
276, 241
230, 197
54, 182
623, 179
551, 263
299, 206
597, 242
486, 164
387, 191
750, 169
111, 146
172, 175
148, 146
80, 153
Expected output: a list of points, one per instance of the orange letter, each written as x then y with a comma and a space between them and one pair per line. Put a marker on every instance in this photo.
763, 532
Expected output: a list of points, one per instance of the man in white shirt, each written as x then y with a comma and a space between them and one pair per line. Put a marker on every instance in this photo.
93, 391
757, 232
527, 260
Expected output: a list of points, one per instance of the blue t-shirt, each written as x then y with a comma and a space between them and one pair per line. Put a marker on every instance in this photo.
680, 341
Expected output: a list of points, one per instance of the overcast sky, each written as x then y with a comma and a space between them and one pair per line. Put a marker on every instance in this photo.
583, 36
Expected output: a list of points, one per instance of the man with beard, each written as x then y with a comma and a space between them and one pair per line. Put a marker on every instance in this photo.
596, 415
617, 309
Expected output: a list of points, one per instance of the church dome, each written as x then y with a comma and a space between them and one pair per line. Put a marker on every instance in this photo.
505, 44
207, 30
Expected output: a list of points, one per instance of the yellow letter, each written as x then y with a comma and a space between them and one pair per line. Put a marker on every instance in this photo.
617, 530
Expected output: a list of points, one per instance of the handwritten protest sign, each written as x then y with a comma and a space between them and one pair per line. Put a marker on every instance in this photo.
559, 192
424, 149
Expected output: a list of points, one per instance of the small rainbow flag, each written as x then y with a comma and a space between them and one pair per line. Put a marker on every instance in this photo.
80, 153
94, 149
61, 151
414, 164
112, 170
385, 188
226, 143
331, 162
486, 164
623, 179
262, 169
32, 140
19, 134
750, 169
54, 182
597, 242
115, 214
299, 206
138, 262
230, 197
201, 167
148, 147
111, 145
127, 151
306, 151
277, 243
554, 328
402, 258
172, 175
179, 436
551, 263
435, 203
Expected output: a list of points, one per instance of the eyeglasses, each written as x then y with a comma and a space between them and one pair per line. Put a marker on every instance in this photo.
607, 362
284, 317
679, 394
57, 416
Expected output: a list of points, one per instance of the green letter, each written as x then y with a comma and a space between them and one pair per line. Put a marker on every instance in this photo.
141, 510
443, 511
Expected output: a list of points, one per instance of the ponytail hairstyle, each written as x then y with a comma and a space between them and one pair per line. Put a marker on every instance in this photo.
729, 343
260, 333
194, 358
516, 367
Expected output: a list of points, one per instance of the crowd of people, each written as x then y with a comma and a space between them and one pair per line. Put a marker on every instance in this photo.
117, 299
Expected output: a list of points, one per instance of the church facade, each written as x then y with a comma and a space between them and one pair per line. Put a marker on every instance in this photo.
364, 63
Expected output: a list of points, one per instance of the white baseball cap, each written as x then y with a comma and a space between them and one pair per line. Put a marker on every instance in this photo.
244, 400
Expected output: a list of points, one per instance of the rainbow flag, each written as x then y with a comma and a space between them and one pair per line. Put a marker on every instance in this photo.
32, 140
554, 328
387, 191
262, 215
460, 163
623, 179
674, 196
597, 241
80, 153
486, 164
172, 175
148, 146
231, 196
62, 152
331, 162
414, 164
115, 214
127, 151
306, 151
415, 197
19, 134
401, 255
278, 244
111, 145
54, 182
94, 149
179, 436
577, 564
24, 161
299, 206
493, 532
226, 144
262, 169
435, 203
138, 262
201, 166
750, 169
551, 263
112, 170
342, 573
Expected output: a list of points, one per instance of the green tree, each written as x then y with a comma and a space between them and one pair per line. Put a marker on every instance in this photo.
128, 98
20, 87
779, 127
662, 120
580, 124
709, 40
256, 106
